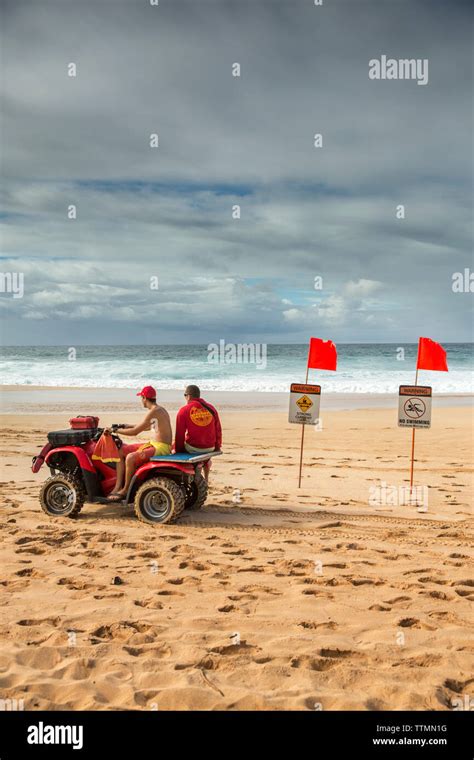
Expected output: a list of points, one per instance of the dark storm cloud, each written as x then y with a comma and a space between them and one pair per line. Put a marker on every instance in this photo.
247, 141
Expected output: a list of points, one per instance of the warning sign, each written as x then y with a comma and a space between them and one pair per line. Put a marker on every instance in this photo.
414, 406
304, 404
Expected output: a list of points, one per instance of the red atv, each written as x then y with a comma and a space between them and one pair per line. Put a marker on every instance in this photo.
160, 489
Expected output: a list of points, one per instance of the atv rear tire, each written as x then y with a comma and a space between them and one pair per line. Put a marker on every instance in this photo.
62, 495
196, 494
159, 501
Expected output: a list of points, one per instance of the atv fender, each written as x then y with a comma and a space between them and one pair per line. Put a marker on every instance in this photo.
159, 468
38, 460
89, 474
81, 456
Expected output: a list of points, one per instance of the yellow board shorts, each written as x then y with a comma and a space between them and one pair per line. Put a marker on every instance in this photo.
145, 451
161, 449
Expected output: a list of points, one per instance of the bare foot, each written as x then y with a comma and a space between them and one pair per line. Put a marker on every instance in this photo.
116, 496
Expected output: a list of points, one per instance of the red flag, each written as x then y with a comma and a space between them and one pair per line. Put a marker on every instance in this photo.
106, 449
431, 355
322, 354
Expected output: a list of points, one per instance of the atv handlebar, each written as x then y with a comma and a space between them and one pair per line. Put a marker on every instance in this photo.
113, 429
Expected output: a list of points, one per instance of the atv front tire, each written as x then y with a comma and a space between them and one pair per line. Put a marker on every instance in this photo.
62, 495
196, 494
159, 501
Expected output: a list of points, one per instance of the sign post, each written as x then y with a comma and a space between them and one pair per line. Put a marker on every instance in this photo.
414, 404
304, 400
304, 410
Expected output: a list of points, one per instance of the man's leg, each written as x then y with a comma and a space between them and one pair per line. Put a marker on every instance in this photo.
132, 461
120, 472
125, 451
130, 467
207, 465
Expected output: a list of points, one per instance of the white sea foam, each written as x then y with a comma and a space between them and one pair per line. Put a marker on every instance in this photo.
358, 382
361, 369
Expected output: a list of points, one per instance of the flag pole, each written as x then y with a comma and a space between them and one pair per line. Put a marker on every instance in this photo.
413, 429
302, 440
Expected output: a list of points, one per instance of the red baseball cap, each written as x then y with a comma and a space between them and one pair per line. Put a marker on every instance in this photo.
148, 392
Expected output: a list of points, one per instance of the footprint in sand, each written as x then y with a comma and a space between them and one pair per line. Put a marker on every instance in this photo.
398, 599
199, 566
437, 595
135, 651
445, 616
110, 595
74, 585
430, 579
152, 604
232, 649
458, 686
259, 588
29, 572
238, 552
365, 582
243, 597
121, 631
410, 622
32, 550
330, 625
464, 592
336, 653
54, 621
312, 663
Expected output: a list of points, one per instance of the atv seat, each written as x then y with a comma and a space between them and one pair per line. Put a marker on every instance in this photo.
185, 457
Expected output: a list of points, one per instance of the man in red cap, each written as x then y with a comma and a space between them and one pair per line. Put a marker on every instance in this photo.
132, 455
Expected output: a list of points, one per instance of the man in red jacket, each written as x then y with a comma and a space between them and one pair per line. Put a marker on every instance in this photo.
198, 427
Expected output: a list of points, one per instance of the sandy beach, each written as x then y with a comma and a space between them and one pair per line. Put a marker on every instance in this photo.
271, 597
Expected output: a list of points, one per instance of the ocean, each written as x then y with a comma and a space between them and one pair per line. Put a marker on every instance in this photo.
362, 368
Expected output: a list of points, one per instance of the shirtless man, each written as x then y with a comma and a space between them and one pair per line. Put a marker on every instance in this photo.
132, 455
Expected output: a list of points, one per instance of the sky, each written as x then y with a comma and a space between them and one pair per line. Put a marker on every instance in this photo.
155, 254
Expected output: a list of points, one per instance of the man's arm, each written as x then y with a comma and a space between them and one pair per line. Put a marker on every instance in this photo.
181, 419
136, 429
